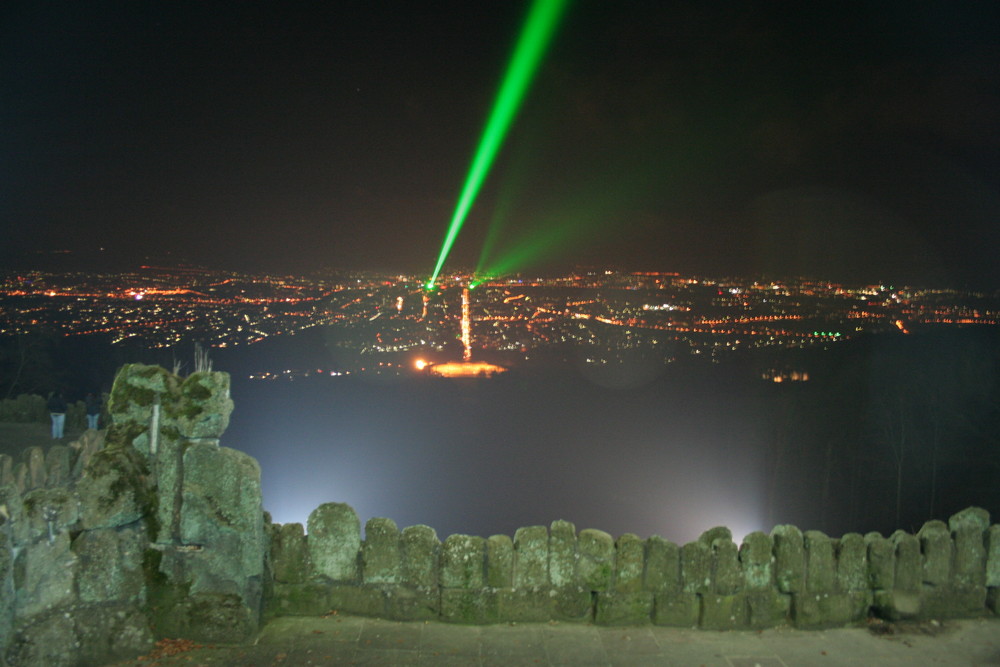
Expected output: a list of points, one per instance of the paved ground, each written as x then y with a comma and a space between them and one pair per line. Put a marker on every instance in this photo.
348, 640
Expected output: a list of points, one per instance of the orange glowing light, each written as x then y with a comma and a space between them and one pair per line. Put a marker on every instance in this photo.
420, 364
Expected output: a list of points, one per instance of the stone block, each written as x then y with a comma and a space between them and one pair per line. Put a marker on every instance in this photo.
993, 556
824, 610
463, 560
727, 575
524, 605
993, 599
221, 513
21, 477
290, 554
717, 533
852, 563
134, 392
952, 602
380, 553
623, 608
12, 522
89, 443
696, 567
6, 591
767, 608
896, 605
334, 541
355, 599
57, 465
413, 604
562, 554
909, 562
630, 552
108, 634
936, 548
299, 599
531, 557
572, 603
115, 489
213, 618
34, 458
499, 562
881, 562
48, 641
968, 529
597, 559
421, 552
111, 565
663, 566
469, 606
203, 406
50, 511
789, 559
679, 610
821, 568
6, 470
757, 560
723, 612
44, 576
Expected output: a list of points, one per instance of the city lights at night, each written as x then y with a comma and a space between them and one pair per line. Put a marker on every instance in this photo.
649, 267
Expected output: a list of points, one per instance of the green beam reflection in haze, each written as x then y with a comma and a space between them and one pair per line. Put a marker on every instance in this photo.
537, 32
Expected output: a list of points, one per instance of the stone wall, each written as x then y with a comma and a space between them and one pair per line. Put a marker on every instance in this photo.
810, 580
147, 530
151, 530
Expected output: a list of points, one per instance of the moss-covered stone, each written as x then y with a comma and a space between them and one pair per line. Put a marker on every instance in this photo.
630, 554
289, 554
823, 610
334, 541
358, 599
663, 566
881, 562
463, 559
952, 602
524, 605
909, 565
50, 511
111, 565
57, 465
727, 575
936, 548
696, 567
821, 567
723, 612
767, 608
596, 563
412, 604
852, 563
116, 489
678, 610
572, 603
44, 575
789, 559
421, 552
531, 557
756, 560
993, 556
968, 530
472, 607
562, 554
380, 553
624, 608
499, 561
299, 599
717, 533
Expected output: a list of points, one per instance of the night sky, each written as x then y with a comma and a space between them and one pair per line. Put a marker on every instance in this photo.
843, 140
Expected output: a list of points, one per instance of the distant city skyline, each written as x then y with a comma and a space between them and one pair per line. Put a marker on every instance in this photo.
857, 142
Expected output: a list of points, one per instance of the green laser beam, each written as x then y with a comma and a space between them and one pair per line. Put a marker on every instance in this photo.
535, 37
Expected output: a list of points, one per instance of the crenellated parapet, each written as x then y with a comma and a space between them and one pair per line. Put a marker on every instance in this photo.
809, 579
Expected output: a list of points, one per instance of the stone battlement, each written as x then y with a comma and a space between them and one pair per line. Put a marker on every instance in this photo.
154, 530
